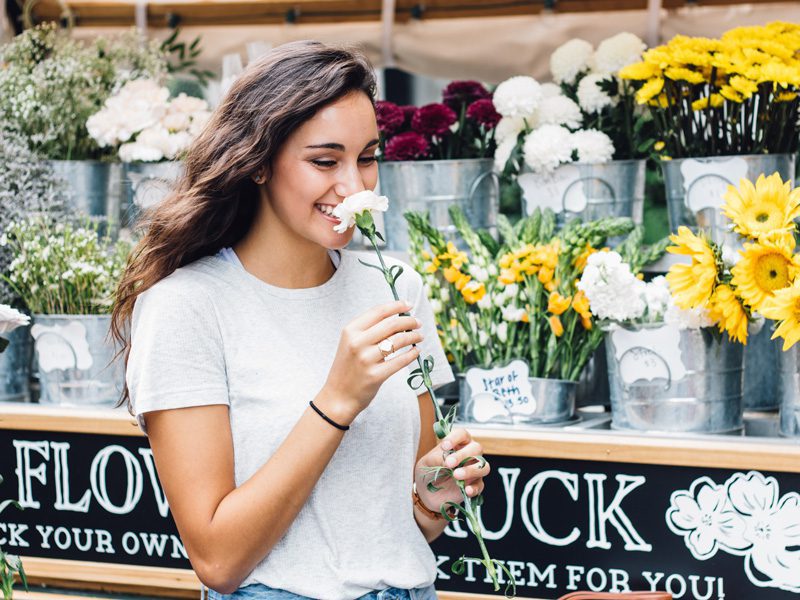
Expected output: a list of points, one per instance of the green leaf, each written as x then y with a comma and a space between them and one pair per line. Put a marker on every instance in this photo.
432, 487
366, 264
458, 566
438, 429
456, 507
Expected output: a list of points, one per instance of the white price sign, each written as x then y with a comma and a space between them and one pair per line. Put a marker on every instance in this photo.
501, 391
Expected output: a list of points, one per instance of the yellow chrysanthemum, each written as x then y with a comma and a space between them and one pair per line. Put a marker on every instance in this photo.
715, 101
684, 74
765, 208
743, 85
731, 94
784, 307
555, 326
691, 285
650, 90
764, 267
558, 304
473, 291
641, 71
726, 309
785, 96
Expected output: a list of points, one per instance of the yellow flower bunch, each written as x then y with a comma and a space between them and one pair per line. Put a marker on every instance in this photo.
540, 260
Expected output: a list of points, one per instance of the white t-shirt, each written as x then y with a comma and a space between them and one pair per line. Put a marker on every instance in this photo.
212, 333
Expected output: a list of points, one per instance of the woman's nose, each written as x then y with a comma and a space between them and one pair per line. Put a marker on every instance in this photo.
350, 182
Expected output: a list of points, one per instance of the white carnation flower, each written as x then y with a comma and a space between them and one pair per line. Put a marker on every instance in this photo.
510, 127
618, 51
517, 97
571, 59
691, 318
135, 152
503, 152
614, 292
11, 318
547, 147
356, 204
549, 90
594, 147
591, 98
177, 121
657, 297
558, 110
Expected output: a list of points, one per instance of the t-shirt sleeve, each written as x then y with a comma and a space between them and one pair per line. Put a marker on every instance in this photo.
176, 355
431, 345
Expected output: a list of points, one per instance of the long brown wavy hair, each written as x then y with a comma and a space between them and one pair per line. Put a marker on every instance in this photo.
216, 199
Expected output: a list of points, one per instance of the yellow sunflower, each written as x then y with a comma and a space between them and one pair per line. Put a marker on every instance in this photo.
767, 207
726, 309
765, 267
691, 285
784, 307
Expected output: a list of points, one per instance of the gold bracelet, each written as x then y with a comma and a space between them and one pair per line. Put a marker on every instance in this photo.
427, 511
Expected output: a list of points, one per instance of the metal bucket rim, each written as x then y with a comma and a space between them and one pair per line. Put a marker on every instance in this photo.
623, 162
89, 161
446, 161
505, 364
722, 157
69, 316
568, 382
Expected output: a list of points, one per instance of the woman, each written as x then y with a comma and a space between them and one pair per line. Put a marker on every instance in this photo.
243, 309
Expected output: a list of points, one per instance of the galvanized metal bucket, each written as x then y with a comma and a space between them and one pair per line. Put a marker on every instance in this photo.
666, 379
554, 403
593, 382
92, 187
612, 189
145, 185
75, 360
432, 186
15, 366
695, 188
761, 387
789, 388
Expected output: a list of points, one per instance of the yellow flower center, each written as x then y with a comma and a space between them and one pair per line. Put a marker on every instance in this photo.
762, 217
772, 272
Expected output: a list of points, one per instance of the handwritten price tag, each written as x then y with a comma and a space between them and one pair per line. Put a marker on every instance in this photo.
705, 182
500, 392
550, 190
649, 354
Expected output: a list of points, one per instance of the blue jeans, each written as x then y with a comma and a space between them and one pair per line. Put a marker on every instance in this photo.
258, 591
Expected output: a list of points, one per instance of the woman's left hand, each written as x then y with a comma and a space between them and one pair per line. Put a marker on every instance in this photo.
463, 446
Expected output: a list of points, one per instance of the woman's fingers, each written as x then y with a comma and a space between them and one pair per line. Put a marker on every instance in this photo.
472, 471
378, 313
388, 327
400, 342
472, 448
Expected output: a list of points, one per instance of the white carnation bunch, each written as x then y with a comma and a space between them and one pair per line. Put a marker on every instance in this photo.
618, 51
517, 97
559, 110
547, 147
570, 60
510, 127
687, 318
590, 96
657, 298
550, 90
593, 146
503, 152
614, 293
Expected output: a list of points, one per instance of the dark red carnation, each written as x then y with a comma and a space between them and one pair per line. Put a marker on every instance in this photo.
463, 92
483, 113
390, 116
433, 120
409, 111
406, 146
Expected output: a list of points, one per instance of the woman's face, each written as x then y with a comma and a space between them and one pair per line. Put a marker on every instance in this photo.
329, 157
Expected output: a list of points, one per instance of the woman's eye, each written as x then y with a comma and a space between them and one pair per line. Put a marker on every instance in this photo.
324, 163
367, 160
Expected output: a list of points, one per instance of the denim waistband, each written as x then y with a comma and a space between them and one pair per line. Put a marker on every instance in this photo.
259, 591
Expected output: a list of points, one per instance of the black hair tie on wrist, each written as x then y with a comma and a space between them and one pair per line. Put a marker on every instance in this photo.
328, 419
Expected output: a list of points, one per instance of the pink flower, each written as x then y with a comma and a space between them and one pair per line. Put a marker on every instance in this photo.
463, 92
406, 146
390, 116
433, 120
483, 112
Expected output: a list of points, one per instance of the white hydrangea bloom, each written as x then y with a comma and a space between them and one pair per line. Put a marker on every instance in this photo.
571, 59
591, 98
547, 147
614, 292
503, 152
558, 110
593, 146
618, 51
517, 97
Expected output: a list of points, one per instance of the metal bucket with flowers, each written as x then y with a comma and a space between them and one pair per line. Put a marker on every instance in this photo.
578, 147
437, 156
514, 325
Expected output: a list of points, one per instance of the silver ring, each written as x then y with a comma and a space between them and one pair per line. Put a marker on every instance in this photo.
386, 347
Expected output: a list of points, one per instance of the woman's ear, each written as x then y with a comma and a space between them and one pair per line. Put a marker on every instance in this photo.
260, 177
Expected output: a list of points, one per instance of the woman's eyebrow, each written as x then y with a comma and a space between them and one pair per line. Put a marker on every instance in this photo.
339, 147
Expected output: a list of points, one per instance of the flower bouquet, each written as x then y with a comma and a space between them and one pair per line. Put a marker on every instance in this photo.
725, 109
66, 277
576, 147
511, 310
436, 155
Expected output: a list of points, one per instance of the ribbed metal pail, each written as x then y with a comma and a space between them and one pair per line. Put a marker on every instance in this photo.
666, 379
92, 187
554, 403
145, 185
762, 361
695, 188
74, 360
433, 186
613, 189
15, 366
789, 388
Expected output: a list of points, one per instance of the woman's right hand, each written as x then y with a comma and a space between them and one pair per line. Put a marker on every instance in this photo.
359, 368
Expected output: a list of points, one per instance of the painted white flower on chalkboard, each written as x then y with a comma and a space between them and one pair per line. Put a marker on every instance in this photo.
705, 518
745, 516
